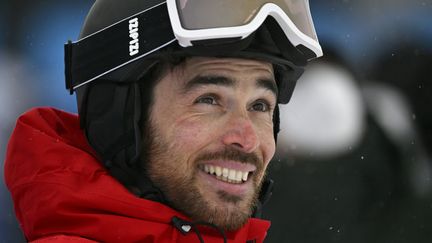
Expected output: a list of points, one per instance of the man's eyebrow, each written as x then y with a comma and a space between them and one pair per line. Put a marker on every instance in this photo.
268, 84
208, 80
200, 80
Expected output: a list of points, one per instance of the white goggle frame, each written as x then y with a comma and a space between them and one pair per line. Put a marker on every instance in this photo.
185, 37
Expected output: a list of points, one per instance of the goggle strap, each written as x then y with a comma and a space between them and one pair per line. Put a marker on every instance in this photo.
120, 44
285, 45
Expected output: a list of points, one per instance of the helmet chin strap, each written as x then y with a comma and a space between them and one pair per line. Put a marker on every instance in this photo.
276, 123
264, 196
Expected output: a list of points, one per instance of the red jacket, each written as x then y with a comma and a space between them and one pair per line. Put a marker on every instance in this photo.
62, 193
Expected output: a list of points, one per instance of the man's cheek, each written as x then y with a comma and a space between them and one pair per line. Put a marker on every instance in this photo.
193, 133
268, 144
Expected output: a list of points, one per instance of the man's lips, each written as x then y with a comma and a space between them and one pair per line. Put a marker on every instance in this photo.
229, 176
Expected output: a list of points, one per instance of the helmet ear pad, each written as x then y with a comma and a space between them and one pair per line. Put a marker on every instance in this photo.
109, 118
113, 128
112, 109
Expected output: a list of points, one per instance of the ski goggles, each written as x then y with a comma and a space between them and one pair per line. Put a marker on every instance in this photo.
190, 23
195, 20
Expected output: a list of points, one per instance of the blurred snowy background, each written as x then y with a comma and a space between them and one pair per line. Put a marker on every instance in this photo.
354, 154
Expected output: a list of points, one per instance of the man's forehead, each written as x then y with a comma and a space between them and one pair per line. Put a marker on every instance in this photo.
232, 69
211, 63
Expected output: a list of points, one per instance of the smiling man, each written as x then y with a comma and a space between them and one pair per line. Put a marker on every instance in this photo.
178, 119
212, 137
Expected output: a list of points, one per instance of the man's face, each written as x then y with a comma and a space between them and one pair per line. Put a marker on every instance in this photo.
212, 137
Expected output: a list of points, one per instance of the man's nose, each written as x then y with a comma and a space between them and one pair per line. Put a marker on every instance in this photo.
241, 134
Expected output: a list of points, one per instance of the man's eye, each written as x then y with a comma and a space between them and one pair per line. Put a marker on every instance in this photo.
260, 106
211, 100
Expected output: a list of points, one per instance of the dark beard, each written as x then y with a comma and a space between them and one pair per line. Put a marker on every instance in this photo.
181, 193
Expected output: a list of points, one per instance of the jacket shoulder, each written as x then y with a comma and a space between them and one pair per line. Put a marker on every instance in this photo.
62, 239
49, 120
43, 139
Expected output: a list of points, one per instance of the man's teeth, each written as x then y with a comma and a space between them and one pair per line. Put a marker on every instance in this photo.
225, 174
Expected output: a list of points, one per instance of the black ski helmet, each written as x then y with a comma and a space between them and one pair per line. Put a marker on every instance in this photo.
111, 104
